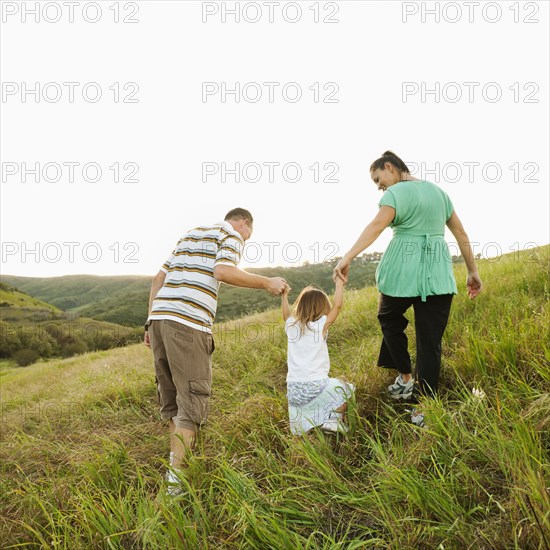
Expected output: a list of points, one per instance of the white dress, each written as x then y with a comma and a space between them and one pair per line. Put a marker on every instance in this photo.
312, 394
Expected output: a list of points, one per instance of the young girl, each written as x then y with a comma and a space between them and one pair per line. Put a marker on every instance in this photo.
314, 399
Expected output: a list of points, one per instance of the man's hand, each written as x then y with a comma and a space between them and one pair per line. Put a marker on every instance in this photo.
286, 290
276, 285
473, 285
146, 339
341, 271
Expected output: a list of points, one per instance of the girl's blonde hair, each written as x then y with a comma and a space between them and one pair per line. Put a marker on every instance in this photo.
311, 304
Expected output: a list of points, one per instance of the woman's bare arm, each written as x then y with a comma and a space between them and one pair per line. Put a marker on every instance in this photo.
384, 217
473, 281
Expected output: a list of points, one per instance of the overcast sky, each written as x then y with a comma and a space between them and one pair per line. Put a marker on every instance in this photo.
460, 93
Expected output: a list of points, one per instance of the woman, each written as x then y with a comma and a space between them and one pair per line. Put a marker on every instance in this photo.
416, 270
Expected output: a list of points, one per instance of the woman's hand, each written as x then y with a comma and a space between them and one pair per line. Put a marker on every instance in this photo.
473, 285
341, 270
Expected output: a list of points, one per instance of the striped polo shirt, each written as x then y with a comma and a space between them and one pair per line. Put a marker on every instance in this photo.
190, 291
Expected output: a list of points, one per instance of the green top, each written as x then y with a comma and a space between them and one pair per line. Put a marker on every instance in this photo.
417, 261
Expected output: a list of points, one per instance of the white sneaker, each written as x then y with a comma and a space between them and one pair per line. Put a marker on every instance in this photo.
400, 389
417, 418
334, 425
174, 488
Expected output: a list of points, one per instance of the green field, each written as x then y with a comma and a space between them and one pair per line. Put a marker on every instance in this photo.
82, 452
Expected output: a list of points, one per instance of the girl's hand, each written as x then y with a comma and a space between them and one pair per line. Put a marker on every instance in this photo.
339, 281
284, 302
341, 271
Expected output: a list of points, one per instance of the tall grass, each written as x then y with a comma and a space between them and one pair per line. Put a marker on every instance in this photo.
83, 454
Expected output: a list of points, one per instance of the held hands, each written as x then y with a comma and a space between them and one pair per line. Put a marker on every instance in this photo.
276, 285
473, 285
341, 271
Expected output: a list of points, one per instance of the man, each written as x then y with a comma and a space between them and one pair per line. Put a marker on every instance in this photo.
182, 309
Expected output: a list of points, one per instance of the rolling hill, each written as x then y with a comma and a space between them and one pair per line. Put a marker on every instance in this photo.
16, 305
124, 299
31, 329
120, 299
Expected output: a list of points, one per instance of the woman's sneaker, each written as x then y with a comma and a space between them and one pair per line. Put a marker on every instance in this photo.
400, 389
417, 418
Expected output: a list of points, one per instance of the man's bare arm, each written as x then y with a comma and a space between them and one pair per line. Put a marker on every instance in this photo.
235, 276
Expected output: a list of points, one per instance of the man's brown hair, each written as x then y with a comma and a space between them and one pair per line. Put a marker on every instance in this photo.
239, 214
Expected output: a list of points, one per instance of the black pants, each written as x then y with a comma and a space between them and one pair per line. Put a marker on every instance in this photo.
430, 319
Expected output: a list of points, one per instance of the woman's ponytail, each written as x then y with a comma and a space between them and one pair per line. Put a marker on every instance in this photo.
392, 158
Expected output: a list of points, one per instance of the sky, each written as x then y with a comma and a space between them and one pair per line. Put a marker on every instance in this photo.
144, 119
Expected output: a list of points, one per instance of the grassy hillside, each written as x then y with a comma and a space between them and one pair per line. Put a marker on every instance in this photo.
125, 307
124, 299
31, 329
11, 297
120, 299
82, 452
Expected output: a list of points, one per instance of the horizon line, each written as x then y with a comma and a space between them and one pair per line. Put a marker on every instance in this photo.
306, 263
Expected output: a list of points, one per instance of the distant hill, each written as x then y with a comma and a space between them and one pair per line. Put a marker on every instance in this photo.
124, 299
17, 305
70, 292
120, 299
31, 329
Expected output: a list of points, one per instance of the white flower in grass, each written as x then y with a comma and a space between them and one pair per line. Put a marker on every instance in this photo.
478, 393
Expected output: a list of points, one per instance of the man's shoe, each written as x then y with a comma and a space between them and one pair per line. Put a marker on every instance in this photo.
400, 389
174, 488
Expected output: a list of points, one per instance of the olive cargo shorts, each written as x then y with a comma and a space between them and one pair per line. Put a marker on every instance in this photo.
183, 368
